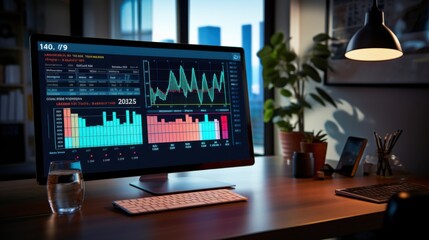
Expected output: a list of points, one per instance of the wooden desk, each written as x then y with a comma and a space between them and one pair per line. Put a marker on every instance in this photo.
278, 206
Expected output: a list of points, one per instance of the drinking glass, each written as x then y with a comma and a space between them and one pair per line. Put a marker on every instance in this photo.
383, 165
65, 186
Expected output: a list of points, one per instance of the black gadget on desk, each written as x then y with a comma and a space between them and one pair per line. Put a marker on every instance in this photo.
133, 108
349, 159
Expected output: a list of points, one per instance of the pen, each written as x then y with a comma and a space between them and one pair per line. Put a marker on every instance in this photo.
398, 133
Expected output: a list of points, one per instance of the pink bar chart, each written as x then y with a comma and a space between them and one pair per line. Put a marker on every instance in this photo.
186, 128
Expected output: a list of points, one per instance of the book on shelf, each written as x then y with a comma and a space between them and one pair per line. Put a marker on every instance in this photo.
19, 106
12, 106
3, 107
12, 74
1, 74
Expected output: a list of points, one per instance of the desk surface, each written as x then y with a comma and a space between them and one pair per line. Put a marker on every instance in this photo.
278, 205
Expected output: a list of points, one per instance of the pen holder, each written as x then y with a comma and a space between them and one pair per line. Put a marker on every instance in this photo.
383, 164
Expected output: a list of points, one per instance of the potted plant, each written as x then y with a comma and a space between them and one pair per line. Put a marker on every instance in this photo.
292, 75
318, 145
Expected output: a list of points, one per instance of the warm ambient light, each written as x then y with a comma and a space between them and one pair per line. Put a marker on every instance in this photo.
374, 41
373, 54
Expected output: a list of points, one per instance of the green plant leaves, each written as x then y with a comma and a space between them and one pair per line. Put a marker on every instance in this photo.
268, 110
311, 72
285, 126
270, 74
303, 103
292, 79
290, 67
321, 37
321, 50
292, 108
279, 82
286, 93
326, 96
320, 63
283, 69
277, 38
269, 103
264, 52
319, 136
311, 137
268, 115
279, 50
290, 56
317, 98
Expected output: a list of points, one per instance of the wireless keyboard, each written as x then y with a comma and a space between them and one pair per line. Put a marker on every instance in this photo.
382, 192
177, 201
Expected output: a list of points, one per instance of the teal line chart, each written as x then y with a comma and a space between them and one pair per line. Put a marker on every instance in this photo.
178, 85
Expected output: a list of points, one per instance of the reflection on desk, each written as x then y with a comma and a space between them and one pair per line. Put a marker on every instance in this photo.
278, 206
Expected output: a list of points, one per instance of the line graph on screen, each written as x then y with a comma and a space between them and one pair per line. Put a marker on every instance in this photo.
185, 84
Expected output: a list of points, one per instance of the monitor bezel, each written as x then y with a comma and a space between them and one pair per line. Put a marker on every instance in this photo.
39, 158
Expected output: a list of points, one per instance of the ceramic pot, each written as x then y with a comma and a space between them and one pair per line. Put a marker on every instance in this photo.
290, 142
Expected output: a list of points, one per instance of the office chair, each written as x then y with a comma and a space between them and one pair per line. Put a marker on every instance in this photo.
407, 216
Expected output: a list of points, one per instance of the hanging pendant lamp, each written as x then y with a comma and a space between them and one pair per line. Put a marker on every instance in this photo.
374, 41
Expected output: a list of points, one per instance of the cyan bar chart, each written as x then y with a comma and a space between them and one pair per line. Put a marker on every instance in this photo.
111, 132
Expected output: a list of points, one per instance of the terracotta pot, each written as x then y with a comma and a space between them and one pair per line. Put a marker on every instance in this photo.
290, 142
319, 152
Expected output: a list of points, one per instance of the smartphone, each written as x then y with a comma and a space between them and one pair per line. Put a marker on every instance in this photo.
351, 155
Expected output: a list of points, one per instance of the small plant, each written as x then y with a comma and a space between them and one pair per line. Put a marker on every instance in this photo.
311, 137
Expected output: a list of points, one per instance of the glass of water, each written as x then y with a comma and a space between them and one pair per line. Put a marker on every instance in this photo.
65, 186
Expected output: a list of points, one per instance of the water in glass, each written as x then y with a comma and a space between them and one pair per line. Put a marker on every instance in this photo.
65, 187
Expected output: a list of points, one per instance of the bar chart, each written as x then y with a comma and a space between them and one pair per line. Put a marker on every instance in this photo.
79, 129
186, 128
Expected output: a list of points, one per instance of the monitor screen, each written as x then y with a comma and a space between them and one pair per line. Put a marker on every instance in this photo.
132, 108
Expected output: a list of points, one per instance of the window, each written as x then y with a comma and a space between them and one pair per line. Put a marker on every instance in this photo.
210, 22
146, 20
235, 23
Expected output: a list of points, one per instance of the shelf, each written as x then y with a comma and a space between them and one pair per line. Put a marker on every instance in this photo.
11, 122
8, 15
11, 86
11, 49
13, 81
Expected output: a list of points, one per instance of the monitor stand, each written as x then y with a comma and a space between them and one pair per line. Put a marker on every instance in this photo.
159, 184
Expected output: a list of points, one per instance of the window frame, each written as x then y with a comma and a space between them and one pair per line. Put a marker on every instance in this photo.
182, 14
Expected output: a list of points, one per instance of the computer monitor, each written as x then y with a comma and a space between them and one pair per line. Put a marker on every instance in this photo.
133, 108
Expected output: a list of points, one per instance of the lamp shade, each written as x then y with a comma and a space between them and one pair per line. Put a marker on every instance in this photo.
374, 41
